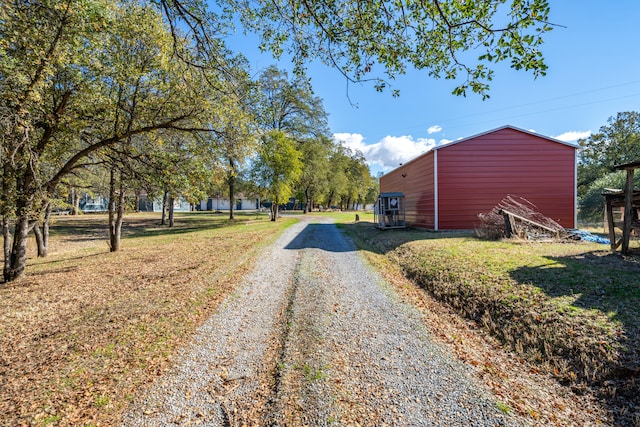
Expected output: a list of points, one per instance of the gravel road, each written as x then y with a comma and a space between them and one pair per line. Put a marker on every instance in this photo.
314, 337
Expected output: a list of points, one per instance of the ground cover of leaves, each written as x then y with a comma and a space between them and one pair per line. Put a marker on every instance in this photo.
86, 329
553, 329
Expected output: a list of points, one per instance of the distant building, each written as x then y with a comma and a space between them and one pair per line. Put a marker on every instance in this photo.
223, 204
146, 204
94, 204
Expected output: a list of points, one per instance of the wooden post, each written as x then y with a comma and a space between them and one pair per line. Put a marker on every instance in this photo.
628, 214
610, 224
507, 225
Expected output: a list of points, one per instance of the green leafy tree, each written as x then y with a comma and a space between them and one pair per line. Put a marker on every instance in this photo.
77, 76
338, 179
290, 106
234, 139
316, 170
277, 168
450, 39
359, 180
615, 143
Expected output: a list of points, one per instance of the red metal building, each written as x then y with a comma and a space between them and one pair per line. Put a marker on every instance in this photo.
447, 187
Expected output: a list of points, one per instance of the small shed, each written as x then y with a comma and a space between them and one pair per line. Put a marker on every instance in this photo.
389, 211
447, 187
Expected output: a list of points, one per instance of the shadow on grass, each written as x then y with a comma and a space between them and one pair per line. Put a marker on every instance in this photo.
61, 260
608, 283
96, 227
384, 241
604, 281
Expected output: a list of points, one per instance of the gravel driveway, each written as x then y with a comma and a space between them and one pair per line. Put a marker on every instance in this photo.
314, 337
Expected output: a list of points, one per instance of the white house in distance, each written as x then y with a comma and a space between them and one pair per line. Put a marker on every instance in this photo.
211, 204
242, 203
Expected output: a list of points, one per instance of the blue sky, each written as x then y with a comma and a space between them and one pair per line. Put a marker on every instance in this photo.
594, 73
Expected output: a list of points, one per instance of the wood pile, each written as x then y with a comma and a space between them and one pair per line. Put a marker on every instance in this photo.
517, 217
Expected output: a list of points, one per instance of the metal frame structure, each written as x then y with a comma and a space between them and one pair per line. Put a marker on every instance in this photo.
389, 211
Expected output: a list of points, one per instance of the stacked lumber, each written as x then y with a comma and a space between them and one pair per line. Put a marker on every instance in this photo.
517, 217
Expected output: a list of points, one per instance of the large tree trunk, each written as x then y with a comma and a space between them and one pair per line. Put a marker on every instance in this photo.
330, 200
18, 256
4, 204
274, 210
170, 207
120, 216
24, 202
75, 202
112, 211
42, 236
116, 211
163, 220
231, 179
42, 249
307, 199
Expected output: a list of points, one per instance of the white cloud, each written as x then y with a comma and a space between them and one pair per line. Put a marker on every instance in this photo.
390, 151
434, 129
355, 141
573, 135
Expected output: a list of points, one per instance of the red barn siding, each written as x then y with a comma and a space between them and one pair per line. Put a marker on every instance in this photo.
418, 188
474, 175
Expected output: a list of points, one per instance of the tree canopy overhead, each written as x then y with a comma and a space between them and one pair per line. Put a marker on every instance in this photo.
451, 39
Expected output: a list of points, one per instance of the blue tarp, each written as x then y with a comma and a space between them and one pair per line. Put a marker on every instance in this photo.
588, 237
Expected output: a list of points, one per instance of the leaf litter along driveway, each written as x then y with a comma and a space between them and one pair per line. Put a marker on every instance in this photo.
314, 337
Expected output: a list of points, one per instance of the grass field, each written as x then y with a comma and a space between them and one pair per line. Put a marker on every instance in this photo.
86, 329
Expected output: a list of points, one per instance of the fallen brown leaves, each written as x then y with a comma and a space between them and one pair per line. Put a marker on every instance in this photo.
87, 329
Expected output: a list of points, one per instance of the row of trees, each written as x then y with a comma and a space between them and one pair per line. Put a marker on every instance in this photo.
120, 94
617, 142
147, 89
277, 146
